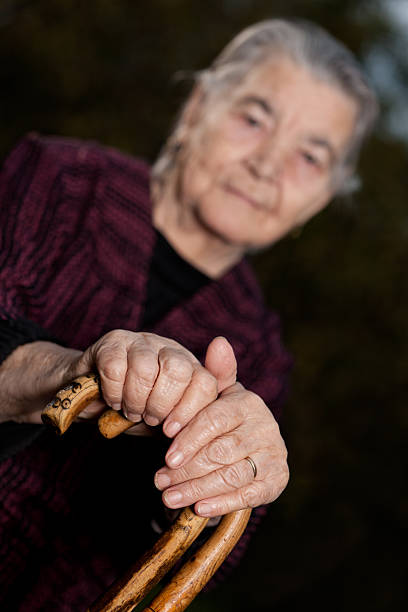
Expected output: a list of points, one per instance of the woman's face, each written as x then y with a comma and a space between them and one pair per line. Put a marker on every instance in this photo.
260, 162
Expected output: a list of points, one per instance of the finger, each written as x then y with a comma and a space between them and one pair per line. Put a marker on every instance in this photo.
30, 417
202, 390
111, 362
220, 417
175, 373
249, 496
223, 451
92, 410
220, 362
143, 368
226, 479
253, 494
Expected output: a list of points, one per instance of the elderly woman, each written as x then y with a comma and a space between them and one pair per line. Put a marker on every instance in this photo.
142, 276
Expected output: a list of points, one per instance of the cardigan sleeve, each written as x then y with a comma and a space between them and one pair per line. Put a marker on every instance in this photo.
40, 219
14, 437
21, 218
15, 332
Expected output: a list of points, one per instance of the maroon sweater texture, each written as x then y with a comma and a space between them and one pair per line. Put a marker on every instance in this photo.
76, 244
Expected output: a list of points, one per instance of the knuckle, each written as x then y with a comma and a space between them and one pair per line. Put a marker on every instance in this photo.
203, 462
273, 492
231, 476
206, 458
175, 365
182, 474
251, 400
222, 449
211, 421
147, 337
236, 404
113, 369
144, 368
277, 484
115, 335
207, 383
276, 445
250, 496
216, 452
193, 490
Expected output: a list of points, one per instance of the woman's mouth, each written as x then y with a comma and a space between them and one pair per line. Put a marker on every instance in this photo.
246, 198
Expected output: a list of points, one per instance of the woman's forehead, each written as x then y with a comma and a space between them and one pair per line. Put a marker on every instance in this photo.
279, 86
277, 77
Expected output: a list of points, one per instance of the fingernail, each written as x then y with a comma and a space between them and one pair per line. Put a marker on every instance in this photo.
206, 509
171, 429
151, 420
173, 497
115, 406
174, 459
135, 418
161, 481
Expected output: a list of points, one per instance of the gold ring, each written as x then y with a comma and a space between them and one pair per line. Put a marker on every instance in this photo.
252, 464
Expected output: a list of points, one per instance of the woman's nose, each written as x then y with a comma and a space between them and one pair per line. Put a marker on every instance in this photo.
267, 161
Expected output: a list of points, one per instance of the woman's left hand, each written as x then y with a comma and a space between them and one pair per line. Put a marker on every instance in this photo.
207, 463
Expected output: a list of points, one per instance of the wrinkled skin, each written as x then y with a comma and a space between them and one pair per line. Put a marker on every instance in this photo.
214, 421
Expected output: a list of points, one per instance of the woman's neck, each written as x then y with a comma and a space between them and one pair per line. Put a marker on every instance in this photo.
205, 250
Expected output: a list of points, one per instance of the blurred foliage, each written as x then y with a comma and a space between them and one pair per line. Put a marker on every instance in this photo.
103, 70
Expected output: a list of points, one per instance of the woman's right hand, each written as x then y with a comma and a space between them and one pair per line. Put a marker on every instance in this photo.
149, 377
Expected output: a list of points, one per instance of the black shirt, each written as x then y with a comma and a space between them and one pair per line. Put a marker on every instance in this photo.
171, 280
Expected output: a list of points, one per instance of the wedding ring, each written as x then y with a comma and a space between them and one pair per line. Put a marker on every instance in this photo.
252, 464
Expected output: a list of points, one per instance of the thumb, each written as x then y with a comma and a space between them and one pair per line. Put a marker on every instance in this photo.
220, 362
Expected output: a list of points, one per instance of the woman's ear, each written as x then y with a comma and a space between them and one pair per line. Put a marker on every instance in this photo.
192, 108
189, 118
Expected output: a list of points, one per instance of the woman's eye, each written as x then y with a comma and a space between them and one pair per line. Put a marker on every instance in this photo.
311, 159
251, 121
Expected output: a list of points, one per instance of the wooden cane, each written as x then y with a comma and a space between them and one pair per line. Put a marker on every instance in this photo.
189, 580
72, 399
130, 589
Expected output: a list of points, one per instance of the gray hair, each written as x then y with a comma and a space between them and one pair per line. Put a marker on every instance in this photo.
306, 44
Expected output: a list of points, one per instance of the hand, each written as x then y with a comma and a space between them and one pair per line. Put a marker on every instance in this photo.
30, 377
206, 463
155, 379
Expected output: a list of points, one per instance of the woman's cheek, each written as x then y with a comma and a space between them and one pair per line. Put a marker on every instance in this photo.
197, 179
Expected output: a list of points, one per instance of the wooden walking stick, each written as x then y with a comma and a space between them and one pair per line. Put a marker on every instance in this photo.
131, 588
69, 402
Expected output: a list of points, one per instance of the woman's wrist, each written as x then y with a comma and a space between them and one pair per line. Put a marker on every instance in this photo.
30, 377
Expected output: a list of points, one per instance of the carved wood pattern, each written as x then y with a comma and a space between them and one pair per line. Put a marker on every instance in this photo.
72, 399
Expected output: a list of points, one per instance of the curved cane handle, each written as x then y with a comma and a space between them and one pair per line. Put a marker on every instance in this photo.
72, 399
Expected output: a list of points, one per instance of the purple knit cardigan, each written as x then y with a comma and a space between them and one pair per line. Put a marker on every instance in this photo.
76, 244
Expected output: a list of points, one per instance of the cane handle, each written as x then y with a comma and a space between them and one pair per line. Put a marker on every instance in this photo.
70, 401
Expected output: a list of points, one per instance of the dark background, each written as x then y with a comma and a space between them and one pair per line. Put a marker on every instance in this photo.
103, 70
